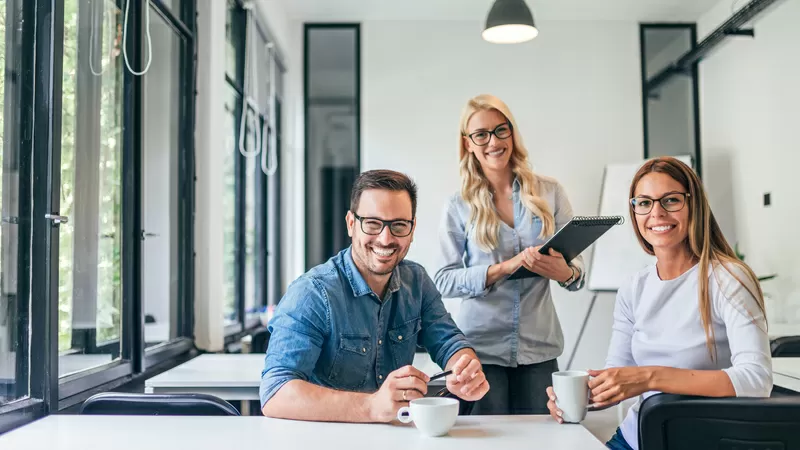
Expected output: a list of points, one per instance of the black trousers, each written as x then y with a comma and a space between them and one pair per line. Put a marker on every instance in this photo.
516, 390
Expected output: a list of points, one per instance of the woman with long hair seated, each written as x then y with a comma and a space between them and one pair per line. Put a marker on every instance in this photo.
693, 323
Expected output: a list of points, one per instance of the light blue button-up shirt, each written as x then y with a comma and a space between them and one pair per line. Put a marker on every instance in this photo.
330, 329
512, 322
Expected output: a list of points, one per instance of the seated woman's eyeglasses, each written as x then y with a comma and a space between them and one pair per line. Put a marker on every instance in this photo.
672, 202
482, 137
374, 226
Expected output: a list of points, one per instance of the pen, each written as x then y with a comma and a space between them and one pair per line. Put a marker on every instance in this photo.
440, 375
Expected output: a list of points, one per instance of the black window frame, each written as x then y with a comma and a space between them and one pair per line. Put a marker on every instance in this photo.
646, 86
40, 130
34, 318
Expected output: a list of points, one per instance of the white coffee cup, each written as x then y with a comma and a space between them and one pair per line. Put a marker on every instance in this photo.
572, 394
433, 416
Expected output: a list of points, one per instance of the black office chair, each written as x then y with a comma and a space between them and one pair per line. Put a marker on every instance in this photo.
120, 403
786, 346
260, 341
677, 422
464, 407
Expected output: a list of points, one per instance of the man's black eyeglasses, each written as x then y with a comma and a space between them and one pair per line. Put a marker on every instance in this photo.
374, 226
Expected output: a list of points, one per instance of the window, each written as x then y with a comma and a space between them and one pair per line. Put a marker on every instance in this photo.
84, 143
234, 30
90, 242
332, 118
250, 173
670, 96
14, 229
162, 152
228, 208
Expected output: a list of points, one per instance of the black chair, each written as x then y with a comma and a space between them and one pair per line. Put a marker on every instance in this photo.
786, 346
260, 341
672, 422
121, 403
464, 407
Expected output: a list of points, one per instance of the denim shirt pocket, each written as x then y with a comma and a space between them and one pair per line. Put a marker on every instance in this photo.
403, 341
352, 362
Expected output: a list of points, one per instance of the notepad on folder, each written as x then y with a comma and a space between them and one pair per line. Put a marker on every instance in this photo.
573, 238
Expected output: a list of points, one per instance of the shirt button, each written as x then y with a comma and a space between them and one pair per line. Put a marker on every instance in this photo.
380, 342
399, 338
363, 350
380, 377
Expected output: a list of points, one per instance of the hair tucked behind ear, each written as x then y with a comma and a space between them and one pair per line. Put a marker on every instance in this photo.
475, 188
705, 240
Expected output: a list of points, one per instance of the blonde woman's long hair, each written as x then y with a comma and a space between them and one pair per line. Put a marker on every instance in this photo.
705, 240
476, 190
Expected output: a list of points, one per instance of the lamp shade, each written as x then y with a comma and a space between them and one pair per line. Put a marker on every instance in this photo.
509, 22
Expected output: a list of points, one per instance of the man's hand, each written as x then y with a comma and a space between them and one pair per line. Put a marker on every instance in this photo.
401, 386
468, 380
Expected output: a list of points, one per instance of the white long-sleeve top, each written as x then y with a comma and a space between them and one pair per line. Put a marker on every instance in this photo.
657, 323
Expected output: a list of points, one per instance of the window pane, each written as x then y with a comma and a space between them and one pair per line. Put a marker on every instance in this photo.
233, 112
161, 196
13, 333
331, 121
234, 34
174, 6
670, 107
90, 286
252, 164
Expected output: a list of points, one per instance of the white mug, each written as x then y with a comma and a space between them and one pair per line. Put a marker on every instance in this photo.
433, 416
572, 394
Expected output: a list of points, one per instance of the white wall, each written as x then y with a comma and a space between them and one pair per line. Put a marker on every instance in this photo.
209, 188
749, 97
575, 92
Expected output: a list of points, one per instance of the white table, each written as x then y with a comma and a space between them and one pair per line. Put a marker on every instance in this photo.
233, 376
75, 432
786, 373
227, 376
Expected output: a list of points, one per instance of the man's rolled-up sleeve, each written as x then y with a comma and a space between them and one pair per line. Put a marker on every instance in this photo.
299, 326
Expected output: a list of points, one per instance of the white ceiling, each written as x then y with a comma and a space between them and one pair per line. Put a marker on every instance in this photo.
361, 10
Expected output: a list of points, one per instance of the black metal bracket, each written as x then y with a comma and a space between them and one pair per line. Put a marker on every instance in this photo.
731, 27
741, 32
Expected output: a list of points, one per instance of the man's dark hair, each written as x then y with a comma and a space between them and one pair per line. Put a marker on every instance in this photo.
383, 179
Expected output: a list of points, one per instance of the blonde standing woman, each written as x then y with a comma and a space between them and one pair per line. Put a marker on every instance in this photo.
489, 229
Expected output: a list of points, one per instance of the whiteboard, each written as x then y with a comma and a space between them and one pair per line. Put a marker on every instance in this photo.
617, 254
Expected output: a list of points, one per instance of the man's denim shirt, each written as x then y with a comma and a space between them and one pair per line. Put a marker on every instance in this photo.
330, 329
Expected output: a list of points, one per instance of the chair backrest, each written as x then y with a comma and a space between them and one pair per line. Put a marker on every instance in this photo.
260, 341
786, 346
464, 407
121, 403
672, 422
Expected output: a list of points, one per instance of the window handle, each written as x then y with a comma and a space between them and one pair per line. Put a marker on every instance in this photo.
147, 235
57, 220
